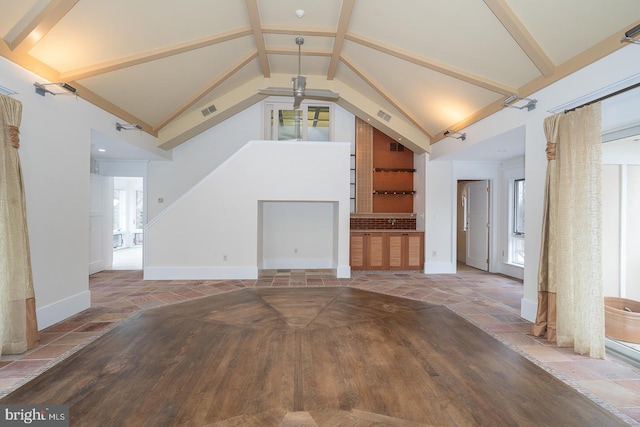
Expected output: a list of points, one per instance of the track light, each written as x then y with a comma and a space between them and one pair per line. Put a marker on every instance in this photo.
127, 126
456, 135
530, 105
41, 88
631, 35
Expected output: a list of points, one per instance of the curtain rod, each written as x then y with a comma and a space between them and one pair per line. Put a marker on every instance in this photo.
602, 98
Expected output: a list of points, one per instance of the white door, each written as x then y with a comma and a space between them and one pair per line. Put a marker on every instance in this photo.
478, 225
100, 224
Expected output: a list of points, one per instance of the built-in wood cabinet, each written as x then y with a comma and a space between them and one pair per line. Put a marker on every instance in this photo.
401, 250
367, 251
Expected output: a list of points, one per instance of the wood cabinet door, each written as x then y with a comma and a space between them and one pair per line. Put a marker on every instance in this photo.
357, 251
414, 256
376, 254
396, 251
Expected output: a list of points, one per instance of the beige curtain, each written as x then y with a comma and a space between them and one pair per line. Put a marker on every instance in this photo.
570, 300
18, 326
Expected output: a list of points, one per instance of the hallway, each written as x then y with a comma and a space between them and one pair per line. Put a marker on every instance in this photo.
491, 302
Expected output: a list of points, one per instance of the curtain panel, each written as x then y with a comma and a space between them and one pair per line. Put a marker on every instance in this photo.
18, 325
570, 295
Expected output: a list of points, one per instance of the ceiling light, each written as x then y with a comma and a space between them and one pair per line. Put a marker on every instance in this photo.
102, 150
299, 13
630, 36
127, 126
41, 88
456, 135
530, 105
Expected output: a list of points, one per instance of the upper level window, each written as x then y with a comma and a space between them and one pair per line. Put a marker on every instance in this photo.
308, 123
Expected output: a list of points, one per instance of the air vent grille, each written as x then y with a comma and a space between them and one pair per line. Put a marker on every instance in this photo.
210, 109
384, 116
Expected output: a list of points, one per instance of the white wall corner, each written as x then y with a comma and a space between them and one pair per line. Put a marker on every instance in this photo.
528, 309
63, 309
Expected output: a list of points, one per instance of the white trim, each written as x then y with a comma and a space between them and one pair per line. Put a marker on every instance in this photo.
440, 268
597, 94
623, 231
200, 273
63, 309
512, 270
623, 351
528, 309
343, 272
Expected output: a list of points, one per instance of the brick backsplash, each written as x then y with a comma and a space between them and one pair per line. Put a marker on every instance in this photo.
383, 224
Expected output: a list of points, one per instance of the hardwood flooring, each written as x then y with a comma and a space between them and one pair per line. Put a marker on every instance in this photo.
305, 356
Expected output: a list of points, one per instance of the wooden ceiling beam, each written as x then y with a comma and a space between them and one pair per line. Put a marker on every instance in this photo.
206, 90
38, 27
299, 31
288, 51
434, 65
520, 34
154, 55
341, 32
386, 95
256, 26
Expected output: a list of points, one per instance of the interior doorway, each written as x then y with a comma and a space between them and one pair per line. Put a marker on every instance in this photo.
128, 223
473, 224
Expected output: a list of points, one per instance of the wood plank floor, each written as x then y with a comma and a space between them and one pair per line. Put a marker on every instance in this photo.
305, 356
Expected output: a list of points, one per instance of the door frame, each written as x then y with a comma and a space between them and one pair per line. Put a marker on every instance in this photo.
477, 171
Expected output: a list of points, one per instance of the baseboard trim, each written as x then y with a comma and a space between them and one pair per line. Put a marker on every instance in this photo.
528, 309
343, 272
439, 268
200, 273
60, 310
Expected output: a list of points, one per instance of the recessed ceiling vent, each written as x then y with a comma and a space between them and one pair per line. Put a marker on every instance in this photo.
210, 109
384, 116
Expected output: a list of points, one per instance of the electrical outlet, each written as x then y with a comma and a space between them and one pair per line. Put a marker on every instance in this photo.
434, 253
295, 251
225, 258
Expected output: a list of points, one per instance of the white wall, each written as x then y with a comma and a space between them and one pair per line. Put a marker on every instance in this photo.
621, 65
213, 231
196, 158
55, 146
297, 235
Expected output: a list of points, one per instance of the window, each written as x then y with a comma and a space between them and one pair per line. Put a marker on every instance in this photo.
516, 238
518, 206
308, 123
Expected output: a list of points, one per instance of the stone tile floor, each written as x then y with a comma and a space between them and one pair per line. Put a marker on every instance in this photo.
492, 302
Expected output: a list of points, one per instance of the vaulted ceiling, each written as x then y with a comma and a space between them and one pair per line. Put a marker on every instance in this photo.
432, 65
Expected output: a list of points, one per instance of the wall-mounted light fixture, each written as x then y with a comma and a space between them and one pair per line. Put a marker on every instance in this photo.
457, 135
530, 105
631, 36
42, 88
127, 126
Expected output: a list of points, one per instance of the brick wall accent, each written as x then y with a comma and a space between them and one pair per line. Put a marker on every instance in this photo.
383, 224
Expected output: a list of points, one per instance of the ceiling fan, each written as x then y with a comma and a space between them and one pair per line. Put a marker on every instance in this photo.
300, 91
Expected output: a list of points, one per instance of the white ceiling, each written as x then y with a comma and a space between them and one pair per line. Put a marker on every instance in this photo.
432, 64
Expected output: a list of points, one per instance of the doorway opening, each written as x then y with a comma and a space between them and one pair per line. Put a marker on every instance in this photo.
128, 223
472, 242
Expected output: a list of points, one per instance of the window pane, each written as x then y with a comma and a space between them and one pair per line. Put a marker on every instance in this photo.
289, 125
318, 123
518, 206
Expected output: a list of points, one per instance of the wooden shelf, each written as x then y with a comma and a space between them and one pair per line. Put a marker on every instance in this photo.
392, 192
393, 170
